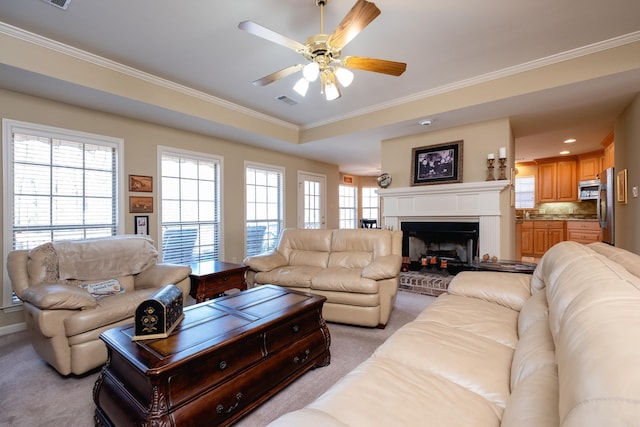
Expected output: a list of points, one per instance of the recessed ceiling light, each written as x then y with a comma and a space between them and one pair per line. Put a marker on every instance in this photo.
425, 122
565, 152
569, 141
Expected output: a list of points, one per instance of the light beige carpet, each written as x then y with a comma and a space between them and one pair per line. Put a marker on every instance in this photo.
33, 394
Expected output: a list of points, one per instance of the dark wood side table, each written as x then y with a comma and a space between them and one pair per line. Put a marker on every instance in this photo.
211, 279
225, 358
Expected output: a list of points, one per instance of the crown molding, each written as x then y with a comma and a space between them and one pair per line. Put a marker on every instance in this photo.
494, 75
38, 40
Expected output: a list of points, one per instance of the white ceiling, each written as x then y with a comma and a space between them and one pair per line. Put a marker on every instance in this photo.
446, 44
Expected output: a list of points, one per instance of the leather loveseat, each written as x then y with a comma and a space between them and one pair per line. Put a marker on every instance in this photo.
356, 270
556, 348
74, 290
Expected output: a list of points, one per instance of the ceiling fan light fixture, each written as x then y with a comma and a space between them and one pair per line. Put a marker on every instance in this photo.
329, 86
344, 76
302, 86
311, 71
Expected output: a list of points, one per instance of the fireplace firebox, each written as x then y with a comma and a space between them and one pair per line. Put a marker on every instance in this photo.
440, 247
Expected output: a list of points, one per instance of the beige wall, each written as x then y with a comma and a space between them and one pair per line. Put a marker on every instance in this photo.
140, 147
479, 140
627, 155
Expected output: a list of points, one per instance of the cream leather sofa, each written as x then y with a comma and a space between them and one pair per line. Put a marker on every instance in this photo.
65, 320
357, 270
558, 348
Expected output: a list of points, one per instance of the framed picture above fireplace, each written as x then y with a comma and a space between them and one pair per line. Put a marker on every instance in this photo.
437, 164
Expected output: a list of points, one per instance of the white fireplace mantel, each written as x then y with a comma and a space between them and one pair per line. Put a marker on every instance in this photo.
461, 202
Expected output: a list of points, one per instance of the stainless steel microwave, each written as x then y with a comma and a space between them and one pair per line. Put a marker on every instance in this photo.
588, 190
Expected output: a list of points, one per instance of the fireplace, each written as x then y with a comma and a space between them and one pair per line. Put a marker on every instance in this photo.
439, 246
484, 203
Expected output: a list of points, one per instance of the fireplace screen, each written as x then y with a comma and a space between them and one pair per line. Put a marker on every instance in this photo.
442, 245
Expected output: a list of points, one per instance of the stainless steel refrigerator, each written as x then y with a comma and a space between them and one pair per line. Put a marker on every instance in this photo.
606, 205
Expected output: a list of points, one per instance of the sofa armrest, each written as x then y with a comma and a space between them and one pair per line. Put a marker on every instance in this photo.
58, 297
159, 275
266, 262
507, 289
383, 267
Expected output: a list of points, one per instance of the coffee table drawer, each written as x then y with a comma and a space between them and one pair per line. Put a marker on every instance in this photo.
291, 330
212, 369
226, 402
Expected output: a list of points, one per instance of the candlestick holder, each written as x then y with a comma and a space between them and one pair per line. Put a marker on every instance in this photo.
490, 176
502, 169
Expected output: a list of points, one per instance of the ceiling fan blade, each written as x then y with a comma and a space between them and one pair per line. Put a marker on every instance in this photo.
376, 65
267, 34
278, 75
360, 15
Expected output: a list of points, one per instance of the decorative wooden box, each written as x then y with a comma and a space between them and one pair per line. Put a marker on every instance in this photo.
159, 315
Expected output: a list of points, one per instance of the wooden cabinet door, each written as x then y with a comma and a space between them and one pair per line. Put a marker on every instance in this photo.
554, 236
589, 168
608, 156
540, 241
546, 184
566, 183
526, 242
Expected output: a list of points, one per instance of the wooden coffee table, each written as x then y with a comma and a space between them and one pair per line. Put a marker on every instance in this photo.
226, 357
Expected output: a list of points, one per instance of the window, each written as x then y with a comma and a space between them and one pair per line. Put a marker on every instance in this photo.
370, 203
525, 192
190, 212
264, 207
60, 185
347, 206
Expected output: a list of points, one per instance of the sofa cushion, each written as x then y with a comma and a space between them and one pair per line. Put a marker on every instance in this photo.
305, 247
109, 310
508, 289
627, 259
594, 314
383, 392
298, 276
58, 297
476, 316
343, 280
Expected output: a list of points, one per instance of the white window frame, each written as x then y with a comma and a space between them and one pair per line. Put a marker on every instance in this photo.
344, 222
172, 151
365, 206
9, 127
520, 194
319, 207
271, 237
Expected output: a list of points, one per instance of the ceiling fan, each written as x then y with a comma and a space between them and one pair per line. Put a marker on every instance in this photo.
322, 51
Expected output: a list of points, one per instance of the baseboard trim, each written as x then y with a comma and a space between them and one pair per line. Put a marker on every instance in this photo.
16, 327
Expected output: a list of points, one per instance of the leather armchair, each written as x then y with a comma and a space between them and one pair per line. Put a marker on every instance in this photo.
64, 319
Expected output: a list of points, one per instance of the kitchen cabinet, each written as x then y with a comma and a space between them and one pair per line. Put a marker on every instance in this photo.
545, 235
584, 231
608, 161
590, 165
526, 238
557, 181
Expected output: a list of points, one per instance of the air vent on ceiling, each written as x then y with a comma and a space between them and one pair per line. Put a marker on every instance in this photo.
287, 100
62, 4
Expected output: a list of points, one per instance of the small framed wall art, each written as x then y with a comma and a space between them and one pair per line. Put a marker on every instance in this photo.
141, 225
140, 204
140, 183
437, 164
621, 185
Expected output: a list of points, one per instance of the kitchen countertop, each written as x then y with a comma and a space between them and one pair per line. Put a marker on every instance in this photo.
555, 218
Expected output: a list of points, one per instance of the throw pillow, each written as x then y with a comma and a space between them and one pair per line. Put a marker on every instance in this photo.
61, 297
